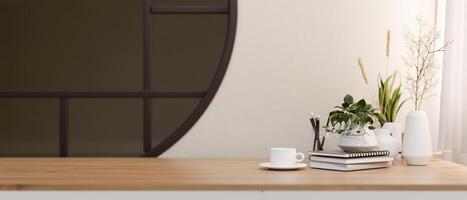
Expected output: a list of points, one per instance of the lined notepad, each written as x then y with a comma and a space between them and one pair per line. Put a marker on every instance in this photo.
341, 154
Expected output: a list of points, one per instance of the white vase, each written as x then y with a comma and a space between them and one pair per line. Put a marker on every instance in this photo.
358, 140
387, 142
396, 132
416, 145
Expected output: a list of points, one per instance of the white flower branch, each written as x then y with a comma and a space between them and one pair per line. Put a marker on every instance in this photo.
420, 59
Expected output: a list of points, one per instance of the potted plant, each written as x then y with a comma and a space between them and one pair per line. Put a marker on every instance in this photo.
353, 121
421, 78
389, 97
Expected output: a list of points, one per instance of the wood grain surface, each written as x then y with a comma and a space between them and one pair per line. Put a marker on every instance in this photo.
215, 174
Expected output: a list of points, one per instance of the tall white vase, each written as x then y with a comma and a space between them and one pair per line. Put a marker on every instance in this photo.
396, 132
416, 145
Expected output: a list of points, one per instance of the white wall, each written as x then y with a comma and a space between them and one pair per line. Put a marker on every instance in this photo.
293, 57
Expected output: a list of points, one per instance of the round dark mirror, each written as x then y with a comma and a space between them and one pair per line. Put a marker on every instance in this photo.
108, 77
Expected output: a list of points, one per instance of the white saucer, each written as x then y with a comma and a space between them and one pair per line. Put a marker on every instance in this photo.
283, 167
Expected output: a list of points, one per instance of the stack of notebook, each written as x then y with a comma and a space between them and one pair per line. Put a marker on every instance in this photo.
345, 161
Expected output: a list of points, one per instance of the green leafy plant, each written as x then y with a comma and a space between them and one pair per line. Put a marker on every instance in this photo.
389, 99
352, 115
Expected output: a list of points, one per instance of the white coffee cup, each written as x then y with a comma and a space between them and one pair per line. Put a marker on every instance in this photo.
284, 156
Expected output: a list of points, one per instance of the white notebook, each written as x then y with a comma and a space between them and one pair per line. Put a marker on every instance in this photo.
341, 154
351, 160
343, 167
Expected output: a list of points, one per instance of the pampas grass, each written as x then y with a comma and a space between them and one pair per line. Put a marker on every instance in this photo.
362, 71
388, 49
365, 78
388, 43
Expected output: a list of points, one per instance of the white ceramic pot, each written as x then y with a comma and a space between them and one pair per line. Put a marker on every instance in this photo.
358, 140
387, 142
416, 145
396, 132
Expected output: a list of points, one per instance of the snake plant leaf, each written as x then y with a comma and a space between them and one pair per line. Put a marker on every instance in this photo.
389, 98
392, 109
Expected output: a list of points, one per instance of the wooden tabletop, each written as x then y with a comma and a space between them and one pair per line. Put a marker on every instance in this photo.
215, 174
